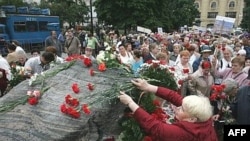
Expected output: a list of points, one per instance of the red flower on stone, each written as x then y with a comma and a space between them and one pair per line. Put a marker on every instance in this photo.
87, 62
68, 98
91, 72
90, 86
75, 88
64, 108
71, 101
33, 100
73, 112
102, 67
85, 109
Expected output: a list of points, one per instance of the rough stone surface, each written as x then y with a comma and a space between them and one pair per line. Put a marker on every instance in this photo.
45, 122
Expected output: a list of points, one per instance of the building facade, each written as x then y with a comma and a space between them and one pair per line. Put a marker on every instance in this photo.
209, 9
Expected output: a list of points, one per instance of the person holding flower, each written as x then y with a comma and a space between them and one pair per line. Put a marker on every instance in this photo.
222, 97
235, 72
183, 69
193, 115
200, 82
40, 63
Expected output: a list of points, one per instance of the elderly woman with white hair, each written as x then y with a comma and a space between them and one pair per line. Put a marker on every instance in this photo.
193, 115
22, 57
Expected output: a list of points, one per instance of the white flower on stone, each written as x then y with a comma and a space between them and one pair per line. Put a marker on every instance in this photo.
32, 79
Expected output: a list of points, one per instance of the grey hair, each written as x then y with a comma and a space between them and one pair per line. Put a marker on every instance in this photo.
21, 53
230, 84
198, 106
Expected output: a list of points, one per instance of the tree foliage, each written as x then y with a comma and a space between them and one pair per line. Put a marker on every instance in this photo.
68, 10
127, 14
17, 3
245, 23
72, 11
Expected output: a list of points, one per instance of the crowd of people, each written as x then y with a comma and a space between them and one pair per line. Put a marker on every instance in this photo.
210, 60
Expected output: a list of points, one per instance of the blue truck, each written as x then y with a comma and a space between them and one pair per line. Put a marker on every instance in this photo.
29, 26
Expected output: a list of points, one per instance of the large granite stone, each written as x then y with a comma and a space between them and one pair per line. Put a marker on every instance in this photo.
45, 121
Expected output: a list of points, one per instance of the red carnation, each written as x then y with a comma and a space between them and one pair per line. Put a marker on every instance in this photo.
102, 67
172, 68
33, 100
68, 98
75, 88
206, 65
180, 82
91, 72
90, 86
149, 62
185, 70
156, 102
72, 112
63, 108
147, 138
87, 62
85, 109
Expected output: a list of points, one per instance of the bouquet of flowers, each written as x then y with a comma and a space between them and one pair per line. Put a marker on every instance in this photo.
157, 74
108, 57
18, 75
223, 102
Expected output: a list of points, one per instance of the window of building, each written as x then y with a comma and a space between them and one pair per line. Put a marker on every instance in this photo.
231, 14
213, 5
212, 14
19, 27
32, 26
196, 5
231, 4
198, 15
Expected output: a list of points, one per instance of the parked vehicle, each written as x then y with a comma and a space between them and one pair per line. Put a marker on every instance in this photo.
28, 26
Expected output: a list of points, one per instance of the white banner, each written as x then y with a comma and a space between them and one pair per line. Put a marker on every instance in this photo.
144, 30
223, 25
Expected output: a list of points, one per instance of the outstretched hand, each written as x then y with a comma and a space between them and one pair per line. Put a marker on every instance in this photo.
140, 84
124, 98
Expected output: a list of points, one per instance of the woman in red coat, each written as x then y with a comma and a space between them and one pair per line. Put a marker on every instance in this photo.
193, 116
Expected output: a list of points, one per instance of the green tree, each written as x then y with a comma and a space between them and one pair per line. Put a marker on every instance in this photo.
70, 11
17, 3
245, 23
128, 14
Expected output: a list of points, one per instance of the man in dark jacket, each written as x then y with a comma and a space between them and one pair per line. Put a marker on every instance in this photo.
205, 53
241, 106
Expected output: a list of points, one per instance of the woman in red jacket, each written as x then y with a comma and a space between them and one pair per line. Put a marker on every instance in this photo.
193, 116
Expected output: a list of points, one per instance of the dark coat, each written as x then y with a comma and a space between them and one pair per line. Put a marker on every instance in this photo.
241, 106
